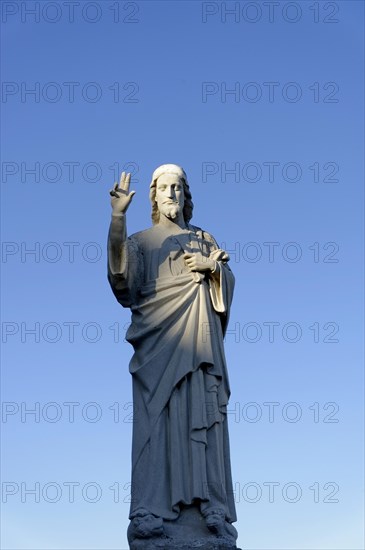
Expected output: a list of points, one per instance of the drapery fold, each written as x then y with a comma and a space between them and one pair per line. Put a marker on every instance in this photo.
180, 452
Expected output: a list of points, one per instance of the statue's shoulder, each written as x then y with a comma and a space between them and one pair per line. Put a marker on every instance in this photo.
143, 236
204, 234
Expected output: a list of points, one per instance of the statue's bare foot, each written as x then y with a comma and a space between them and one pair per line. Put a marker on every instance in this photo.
231, 530
147, 526
215, 521
217, 524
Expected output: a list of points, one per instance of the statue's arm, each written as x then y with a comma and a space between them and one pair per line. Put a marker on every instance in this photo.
221, 280
123, 253
218, 257
118, 247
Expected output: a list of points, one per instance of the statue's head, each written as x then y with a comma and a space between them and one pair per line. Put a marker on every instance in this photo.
164, 177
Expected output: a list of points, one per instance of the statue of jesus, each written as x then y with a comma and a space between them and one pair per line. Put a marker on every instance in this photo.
177, 283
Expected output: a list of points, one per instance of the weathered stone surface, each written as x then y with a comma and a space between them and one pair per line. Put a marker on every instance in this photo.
179, 287
188, 531
168, 544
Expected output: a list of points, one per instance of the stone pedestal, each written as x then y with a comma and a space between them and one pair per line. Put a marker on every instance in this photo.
187, 532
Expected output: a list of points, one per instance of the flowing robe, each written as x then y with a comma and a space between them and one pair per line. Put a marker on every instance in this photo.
180, 450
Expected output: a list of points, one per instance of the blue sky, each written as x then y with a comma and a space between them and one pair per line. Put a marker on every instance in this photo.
263, 107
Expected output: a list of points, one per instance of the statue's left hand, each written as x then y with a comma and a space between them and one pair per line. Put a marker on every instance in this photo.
197, 262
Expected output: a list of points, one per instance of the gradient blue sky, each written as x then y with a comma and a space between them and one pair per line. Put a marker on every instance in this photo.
161, 55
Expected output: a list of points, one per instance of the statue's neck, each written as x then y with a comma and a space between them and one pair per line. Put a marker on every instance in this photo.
172, 224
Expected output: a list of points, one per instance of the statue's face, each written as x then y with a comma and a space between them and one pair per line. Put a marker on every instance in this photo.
170, 195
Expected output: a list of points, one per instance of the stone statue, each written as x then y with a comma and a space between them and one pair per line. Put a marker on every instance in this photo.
177, 283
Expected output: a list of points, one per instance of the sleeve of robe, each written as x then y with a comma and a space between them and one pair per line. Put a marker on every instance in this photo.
124, 263
221, 282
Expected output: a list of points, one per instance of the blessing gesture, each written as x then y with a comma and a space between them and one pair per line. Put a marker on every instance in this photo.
120, 195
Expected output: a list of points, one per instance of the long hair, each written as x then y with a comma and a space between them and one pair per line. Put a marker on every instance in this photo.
188, 202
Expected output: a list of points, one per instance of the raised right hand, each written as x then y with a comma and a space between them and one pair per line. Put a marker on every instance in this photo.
120, 195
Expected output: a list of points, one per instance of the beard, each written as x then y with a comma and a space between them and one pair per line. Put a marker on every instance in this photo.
171, 210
